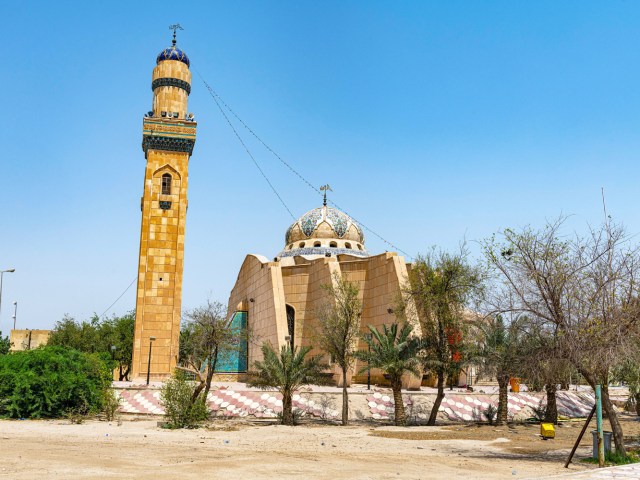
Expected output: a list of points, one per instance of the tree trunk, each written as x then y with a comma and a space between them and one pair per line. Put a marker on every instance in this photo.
210, 372
196, 392
287, 409
618, 436
438, 401
400, 417
503, 399
637, 399
345, 398
616, 428
551, 415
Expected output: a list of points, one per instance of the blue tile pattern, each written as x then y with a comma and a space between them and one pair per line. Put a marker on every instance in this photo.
322, 251
310, 220
173, 53
339, 222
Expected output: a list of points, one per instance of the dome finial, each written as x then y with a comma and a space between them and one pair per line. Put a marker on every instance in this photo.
324, 189
175, 27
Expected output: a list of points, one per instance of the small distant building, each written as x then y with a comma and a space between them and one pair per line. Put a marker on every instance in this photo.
28, 339
278, 300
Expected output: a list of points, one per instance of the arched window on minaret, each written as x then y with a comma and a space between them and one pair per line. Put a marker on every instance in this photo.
166, 184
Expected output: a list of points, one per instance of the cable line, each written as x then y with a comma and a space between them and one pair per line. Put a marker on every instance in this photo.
219, 101
213, 95
121, 295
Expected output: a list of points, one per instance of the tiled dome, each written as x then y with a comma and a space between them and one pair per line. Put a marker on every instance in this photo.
322, 231
173, 53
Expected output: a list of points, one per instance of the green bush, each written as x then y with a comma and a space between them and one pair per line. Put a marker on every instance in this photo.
52, 382
110, 404
176, 397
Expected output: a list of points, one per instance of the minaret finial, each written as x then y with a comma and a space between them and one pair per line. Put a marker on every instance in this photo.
324, 189
175, 27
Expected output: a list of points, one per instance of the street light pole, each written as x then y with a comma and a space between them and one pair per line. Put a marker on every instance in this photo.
151, 339
15, 313
369, 337
2, 272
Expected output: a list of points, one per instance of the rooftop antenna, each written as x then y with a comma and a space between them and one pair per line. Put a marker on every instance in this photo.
324, 189
175, 27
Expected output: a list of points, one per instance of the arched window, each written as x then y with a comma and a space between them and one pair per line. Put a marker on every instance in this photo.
317, 244
333, 245
291, 323
359, 247
347, 245
166, 184
301, 245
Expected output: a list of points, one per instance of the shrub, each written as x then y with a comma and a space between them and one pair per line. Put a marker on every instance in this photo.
176, 397
490, 413
111, 402
540, 412
52, 382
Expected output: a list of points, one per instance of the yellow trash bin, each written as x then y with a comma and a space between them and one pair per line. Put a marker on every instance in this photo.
547, 430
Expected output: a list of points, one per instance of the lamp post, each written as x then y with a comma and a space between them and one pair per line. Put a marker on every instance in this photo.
2, 272
15, 313
151, 339
369, 337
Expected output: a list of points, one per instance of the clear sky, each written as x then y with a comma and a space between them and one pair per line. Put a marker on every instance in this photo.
431, 121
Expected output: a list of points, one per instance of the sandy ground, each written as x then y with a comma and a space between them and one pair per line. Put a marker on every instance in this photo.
137, 448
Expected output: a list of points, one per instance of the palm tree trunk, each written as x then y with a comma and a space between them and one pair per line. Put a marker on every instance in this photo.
551, 415
618, 436
438, 401
287, 408
503, 399
345, 398
400, 417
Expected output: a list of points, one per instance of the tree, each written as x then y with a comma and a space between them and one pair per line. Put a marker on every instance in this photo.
5, 345
583, 287
99, 335
287, 371
206, 338
339, 327
395, 352
118, 332
539, 364
442, 286
82, 336
499, 356
628, 371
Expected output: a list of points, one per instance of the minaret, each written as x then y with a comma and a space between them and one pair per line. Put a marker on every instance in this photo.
168, 137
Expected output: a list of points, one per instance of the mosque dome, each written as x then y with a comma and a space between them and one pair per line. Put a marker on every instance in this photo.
324, 231
173, 53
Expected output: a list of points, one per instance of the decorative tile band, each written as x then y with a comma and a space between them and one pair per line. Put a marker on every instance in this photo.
457, 407
332, 251
228, 403
169, 144
171, 82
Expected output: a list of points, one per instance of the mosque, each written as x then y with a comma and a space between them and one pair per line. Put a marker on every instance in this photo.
275, 299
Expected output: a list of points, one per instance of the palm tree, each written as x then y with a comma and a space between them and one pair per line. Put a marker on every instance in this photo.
394, 352
500, 355
287, 372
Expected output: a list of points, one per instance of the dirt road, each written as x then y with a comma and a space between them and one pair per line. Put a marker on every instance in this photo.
141, 450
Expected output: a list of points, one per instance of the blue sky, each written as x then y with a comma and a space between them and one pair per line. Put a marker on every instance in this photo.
432, 121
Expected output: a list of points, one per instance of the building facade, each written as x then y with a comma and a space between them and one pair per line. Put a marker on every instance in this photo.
280, 298
168, 138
